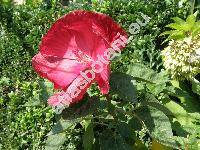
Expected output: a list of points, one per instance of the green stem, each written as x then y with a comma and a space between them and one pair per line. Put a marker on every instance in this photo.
111, 110
100, 123
192, 6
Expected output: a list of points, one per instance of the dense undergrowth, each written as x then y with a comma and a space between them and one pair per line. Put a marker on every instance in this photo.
166, 113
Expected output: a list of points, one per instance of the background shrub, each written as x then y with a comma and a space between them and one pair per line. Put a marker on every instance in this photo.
25, 122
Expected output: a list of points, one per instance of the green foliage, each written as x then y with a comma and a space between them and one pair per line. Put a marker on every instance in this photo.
23, 126
25, 118
124, 87
153, 115
182, 29
88, 138
55, 141
156, 82
196, 86
158, 125
157, 115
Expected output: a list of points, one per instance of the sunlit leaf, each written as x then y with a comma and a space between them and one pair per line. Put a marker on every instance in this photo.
53, 142
158, 124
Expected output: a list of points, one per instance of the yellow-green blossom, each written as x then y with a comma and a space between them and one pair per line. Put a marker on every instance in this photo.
182, 57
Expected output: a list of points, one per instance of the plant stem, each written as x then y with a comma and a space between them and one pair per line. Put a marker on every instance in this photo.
100, 123
110, 109
192, 6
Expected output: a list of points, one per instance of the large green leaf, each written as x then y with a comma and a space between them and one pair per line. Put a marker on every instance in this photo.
157, 123
56, 137
183, 116
156, 82
123, 85
81, 109
62, 125
111, 141
54, 141
127, 133
125, 130
141, 71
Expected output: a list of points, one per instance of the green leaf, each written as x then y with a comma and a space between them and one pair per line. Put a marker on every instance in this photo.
190, 142
196, 86
191, 19
63, 125
156, 82
186, 27
140, 71
121, 143
33, 102
186, 119
123, 85
187, 112
181, 28
178, 20
176, 35
81, 109
174, 26
196, 29
110, 141
185, 98
158, 124
124, 130
88, 137
127, 133
135, 124
167, 32
53, 142
56, 137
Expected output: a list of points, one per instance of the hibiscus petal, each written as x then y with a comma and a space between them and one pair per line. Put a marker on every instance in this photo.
54, 100
89, 32
59, 41
60, 71
103, 80
73, 94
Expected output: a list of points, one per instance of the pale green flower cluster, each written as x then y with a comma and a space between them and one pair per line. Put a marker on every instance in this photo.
182, 58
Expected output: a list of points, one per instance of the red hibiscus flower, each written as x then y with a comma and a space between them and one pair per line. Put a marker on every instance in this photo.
76, 52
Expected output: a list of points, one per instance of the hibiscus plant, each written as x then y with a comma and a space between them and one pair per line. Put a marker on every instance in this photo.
129, 108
